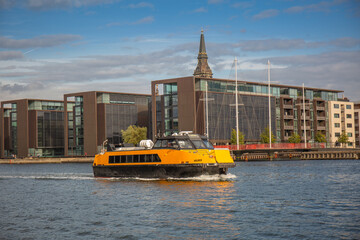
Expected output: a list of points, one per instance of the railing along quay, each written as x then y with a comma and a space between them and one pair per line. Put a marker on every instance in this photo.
290, 151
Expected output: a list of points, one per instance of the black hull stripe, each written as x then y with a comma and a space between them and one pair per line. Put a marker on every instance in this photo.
158, 171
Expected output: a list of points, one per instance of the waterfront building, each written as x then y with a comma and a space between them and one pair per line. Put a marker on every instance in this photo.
97, 116
32, 127
357, 123
341, 119
179, 104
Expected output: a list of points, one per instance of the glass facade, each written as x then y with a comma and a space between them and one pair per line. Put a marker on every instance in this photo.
45, 105
78, 118
13, 128
119, 117
229, 87
50, 134
171, 122
253, 115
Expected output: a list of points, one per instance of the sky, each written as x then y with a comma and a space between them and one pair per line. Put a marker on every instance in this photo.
49, 48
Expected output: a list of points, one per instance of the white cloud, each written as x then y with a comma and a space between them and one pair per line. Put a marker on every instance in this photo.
141, 5
28, 78
200, 10
10, 55
144, 20
266, 14
41, 41
41, 5
323, 6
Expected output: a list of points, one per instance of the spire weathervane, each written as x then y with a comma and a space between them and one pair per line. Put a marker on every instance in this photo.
202, 68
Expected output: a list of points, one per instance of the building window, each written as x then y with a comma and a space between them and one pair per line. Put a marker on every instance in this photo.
348, 106
348, 116
337, 134
336, 115
350, 144
349, 125
337, 125
336, 105
349, 134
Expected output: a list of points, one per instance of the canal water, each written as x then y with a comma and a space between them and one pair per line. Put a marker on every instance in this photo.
258, 200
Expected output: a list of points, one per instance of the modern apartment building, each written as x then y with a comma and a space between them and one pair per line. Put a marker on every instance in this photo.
357, 123
32, 127
97, 116
179, 104
341, 119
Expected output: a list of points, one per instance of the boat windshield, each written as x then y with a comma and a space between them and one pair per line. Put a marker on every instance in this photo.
208, 144
185, 143
166, 143
199, 144
173, 143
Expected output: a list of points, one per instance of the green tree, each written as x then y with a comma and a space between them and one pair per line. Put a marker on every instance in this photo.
264, 136
233, 137
134, 134
320, 138
343, 138
294, 138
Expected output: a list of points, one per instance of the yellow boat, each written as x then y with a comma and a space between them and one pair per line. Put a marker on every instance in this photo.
177, 156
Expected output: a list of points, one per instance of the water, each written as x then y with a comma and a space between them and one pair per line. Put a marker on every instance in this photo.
263, 200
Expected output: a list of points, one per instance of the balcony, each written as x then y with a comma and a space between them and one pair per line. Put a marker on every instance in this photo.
319, 128
307, 127
321, 118
288, 106
320, 108
288, 127
288, 116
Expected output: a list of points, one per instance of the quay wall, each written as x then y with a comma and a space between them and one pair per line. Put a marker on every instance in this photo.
296, 155
46, 160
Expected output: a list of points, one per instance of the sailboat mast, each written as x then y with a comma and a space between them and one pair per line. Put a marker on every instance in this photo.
236, 106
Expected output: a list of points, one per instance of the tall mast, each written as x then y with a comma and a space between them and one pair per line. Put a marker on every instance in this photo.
303, 88
236, 106
269, 103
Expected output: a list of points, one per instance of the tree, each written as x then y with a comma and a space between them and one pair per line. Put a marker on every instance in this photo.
264, 136
343, 138
233, 137
134, 134
294, 138
320, 138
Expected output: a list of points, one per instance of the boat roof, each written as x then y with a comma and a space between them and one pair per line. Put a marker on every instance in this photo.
191, 136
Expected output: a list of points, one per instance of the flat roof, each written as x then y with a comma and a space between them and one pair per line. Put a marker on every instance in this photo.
79, 93
247, 82
31, 99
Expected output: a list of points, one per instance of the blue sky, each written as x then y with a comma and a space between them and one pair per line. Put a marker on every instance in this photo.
52, 47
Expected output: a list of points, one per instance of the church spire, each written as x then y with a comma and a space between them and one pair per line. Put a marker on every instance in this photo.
202, 69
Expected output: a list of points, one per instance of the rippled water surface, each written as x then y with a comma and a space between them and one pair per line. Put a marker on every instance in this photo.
263, 200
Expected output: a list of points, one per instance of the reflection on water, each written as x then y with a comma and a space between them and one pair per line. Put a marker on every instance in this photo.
265, 200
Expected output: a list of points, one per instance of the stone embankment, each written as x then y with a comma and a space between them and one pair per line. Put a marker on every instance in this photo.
297, 155
46, 160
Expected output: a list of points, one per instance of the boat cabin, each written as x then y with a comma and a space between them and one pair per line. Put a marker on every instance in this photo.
185, 141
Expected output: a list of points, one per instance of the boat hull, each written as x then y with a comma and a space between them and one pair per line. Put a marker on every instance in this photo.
160, 170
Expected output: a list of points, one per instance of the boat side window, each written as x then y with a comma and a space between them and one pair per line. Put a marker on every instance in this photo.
134, 158
208, 144
129, 158
199, 144
185, 143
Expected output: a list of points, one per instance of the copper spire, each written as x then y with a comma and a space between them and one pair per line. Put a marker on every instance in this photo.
202, 69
